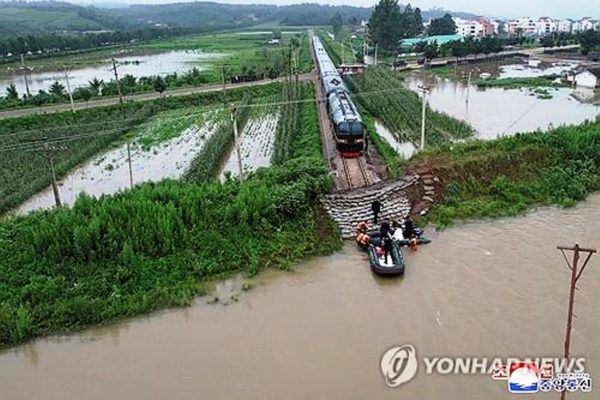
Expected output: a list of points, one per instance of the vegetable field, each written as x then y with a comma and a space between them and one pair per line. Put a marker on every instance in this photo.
383, 94
75, 137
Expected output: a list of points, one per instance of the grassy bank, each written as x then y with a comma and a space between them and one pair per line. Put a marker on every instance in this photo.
516, 83
507, 176
77, 136
297, 130
382, 93
154, 246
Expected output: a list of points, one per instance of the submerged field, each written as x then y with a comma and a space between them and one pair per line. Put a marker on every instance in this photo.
74, 138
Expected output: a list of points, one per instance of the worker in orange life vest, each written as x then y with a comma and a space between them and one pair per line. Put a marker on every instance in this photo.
362, 227
362, 239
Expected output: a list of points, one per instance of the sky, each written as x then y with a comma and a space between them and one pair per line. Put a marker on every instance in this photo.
492, 8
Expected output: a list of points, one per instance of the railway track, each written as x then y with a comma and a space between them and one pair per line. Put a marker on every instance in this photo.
355, 173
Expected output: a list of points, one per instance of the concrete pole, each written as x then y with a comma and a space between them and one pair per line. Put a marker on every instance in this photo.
423, 112
129, 162
69, 89
376, 50
237, 144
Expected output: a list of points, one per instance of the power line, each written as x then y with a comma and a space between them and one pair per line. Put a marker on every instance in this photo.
206, 109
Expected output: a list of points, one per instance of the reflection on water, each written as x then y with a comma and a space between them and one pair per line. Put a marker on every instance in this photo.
485, 289
495, 112
405, 149
143, 65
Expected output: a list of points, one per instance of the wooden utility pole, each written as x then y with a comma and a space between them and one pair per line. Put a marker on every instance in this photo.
575, 275
114, 63
69, 89
425, 91
129, 162
237, 143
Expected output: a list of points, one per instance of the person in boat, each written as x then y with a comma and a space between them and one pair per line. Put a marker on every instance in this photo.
413, 244
409, 229
362, 227
385, 229
376, 208
362, 240
387, 247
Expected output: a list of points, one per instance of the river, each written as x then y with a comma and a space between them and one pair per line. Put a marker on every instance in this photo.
486, 289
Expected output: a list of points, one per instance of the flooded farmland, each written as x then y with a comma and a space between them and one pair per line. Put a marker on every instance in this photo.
136, 65
256, 145
496, 112
109, 172
478, 289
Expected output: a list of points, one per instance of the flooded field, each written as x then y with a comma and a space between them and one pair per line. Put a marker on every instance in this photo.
483, 289
109, 172
405, 149
256, 145
137, 65
495, 112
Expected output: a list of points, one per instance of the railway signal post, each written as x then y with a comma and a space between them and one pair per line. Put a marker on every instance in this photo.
575, 275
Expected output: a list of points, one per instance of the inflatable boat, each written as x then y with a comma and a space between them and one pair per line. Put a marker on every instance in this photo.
394, 266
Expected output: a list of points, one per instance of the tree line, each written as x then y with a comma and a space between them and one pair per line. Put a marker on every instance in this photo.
389, 24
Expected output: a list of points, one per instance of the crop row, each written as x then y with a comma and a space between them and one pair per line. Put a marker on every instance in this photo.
75, 137
383, 94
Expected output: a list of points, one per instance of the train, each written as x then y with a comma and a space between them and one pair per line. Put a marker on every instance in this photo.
349, 129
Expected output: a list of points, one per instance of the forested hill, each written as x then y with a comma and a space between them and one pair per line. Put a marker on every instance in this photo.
24, 19
200, 14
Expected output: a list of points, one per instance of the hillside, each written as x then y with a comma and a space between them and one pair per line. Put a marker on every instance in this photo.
24, 19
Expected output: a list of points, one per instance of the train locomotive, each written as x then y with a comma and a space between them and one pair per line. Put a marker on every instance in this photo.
348, 127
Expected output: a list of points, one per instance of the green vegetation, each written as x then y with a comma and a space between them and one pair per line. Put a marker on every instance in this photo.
297, 133
506, 176
154, 247
77, 136
389, 155
382, 93
388, 24
206, 166
515, 83
442, 26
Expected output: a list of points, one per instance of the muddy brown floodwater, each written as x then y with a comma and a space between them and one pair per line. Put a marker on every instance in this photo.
487, 289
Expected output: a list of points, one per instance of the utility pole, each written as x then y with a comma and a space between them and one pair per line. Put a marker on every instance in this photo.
376, 50
237, 143
69, 89
47, 152
114, 63
575, 275
129, 162
425, 91
25, 70
469, 85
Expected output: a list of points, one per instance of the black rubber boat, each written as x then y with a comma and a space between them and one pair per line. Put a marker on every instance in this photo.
375, 239
395, 264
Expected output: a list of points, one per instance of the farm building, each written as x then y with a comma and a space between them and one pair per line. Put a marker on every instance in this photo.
585, 77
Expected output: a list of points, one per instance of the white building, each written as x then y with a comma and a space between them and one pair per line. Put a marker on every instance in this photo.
587, 23
475, 27
586, 77
545, 25
524, 25
565, 25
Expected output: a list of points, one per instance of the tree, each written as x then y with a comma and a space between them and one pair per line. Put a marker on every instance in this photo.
353, 21
57, 89
11, 92
442, 26
588, 40
431, 51
276, 34
336, 23
418, 22
385, 25
160, 85
82, 93
96, 86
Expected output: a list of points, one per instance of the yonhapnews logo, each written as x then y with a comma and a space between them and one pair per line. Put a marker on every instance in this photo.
399, 365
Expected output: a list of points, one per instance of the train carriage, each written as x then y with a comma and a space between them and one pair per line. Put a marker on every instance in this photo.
348, 127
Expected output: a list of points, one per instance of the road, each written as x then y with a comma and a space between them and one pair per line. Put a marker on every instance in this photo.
141, 97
